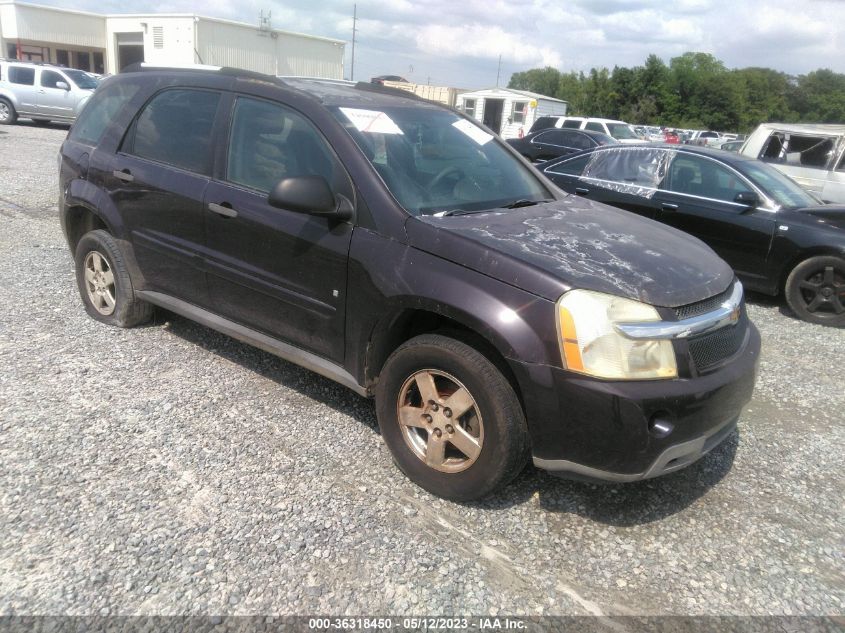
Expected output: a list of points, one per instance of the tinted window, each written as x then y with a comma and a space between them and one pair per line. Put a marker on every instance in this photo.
706, 178
553, 137
595, 127
579, 141
175, 128
100, 110
543, 123
49, 79
269, 142
572, 167
23, 76
81, 79
572, 123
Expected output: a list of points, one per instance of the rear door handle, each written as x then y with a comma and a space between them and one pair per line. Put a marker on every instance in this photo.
124, 175
581, 191
668, 206
222, 209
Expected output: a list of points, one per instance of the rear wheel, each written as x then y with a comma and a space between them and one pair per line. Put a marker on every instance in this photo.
450, 418
815, 290
7, 113
104, 282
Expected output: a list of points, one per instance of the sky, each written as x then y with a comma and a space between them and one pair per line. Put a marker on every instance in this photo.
458, 42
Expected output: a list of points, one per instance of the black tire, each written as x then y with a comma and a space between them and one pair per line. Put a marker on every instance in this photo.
7, 113
815, 290
123, 309
504, 448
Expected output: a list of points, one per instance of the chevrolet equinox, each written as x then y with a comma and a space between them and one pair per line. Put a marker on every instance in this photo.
399, 248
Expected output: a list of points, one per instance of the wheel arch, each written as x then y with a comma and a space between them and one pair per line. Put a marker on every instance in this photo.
802, 256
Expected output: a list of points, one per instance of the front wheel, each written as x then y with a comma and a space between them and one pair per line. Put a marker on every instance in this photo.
815, 290
450, 418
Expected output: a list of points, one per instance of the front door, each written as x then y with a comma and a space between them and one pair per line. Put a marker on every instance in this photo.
278, 271
158, 182
55, 102
698, 198
493, 109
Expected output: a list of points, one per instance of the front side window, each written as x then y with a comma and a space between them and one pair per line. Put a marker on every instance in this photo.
518, 112
81, 79
100, 110
269, 142
469, 107
785, 191
49, 79
620, 131
435, 161
21, 75
175, 128
705, 178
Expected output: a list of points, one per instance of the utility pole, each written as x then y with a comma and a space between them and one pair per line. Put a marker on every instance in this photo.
499, 70
354, 20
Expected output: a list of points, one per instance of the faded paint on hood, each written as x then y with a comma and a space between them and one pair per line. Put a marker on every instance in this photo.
570, 243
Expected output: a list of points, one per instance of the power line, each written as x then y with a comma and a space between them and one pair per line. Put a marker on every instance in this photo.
354, 21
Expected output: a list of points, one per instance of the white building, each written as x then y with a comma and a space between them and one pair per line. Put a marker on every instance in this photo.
107, 43
508, 112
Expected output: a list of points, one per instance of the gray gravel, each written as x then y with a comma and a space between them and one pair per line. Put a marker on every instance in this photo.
171, 470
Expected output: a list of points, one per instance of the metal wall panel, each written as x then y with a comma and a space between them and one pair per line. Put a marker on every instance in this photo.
42, 24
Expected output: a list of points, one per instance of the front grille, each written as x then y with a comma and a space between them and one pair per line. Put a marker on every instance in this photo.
710, 349
702, 307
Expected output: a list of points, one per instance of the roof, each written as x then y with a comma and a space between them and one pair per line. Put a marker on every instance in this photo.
193, 16
808, 128
523, 93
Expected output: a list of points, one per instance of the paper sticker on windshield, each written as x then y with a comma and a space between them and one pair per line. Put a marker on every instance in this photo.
372, 121
473, 131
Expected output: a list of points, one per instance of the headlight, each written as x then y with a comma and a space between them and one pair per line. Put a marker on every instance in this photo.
590, 344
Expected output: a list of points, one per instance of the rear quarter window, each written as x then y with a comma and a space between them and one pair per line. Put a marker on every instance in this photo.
101, 110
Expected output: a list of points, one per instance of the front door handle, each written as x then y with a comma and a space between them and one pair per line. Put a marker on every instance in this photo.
223, 209
581, 191
124, 175
668, 206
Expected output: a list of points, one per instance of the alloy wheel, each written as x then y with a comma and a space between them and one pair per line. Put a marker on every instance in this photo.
440, 421
99, 283
4, 111
823, 291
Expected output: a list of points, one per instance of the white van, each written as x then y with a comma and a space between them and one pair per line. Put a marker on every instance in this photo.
813, 155
621, 131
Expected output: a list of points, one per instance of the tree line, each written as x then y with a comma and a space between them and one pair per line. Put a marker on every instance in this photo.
695, 90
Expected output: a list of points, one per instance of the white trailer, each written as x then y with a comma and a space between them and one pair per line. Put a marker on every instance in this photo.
510, 113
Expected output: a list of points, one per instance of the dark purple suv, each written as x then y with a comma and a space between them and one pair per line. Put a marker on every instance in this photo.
402, 250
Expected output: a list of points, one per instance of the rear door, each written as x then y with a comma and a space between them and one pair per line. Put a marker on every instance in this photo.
158, 181
278, 271
22, 84
697, 197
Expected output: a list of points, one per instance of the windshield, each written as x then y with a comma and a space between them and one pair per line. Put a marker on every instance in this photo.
785, 191
81, 79
434, 161
621, 130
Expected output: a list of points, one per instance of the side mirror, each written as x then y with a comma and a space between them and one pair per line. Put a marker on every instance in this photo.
63, 85
748, 198
311, 195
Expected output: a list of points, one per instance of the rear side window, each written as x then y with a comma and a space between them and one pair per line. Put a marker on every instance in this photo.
595, 127
22, 76
101, 110
175, 128
578, 141
543, 123
572, 167
553, 137
269, 142
572, 123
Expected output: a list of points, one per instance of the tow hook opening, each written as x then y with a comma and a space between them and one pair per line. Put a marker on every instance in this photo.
659, 425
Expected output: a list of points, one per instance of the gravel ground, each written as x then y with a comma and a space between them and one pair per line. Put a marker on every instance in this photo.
171, 470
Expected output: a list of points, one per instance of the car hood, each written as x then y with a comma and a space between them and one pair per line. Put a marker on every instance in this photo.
831, 214
550, 248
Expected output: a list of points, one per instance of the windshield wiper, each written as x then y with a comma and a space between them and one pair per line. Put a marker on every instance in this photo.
443, 214
522, 202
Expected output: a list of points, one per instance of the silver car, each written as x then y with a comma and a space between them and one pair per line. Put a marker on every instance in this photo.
42, 92
813, 155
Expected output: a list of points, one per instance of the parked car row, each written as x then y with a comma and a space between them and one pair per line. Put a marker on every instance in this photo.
399, 248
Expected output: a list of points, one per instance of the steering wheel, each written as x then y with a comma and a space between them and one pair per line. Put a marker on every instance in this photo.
446, 171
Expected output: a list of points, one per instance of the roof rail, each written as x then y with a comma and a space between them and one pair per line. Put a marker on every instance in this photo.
223, 70
388, 90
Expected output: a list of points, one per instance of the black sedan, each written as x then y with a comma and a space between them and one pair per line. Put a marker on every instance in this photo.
552, 143
775, 235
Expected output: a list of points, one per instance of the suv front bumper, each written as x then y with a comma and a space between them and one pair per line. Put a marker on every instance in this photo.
605, 430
